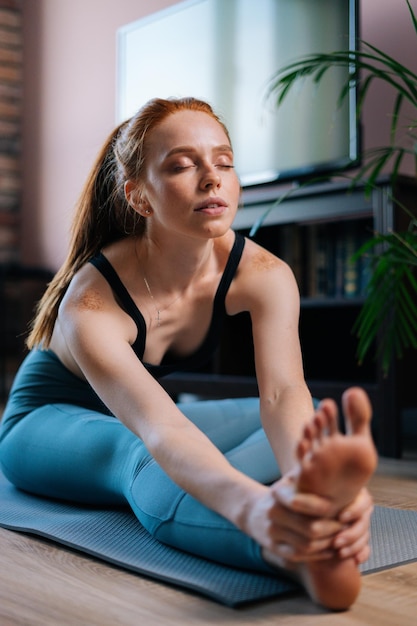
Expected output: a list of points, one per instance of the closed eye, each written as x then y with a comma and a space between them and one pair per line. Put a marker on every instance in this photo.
180, 168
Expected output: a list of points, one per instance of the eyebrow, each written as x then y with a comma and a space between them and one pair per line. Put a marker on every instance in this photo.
188, 149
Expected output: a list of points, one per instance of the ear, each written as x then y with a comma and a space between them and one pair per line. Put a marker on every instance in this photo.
135, 199
132, 194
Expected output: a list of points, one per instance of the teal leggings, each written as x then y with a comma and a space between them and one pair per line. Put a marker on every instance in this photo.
61, 450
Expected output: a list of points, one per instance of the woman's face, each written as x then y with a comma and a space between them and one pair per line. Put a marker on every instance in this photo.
190, 182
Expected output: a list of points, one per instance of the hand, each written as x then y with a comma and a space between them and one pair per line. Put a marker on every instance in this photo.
293, 527
353, 540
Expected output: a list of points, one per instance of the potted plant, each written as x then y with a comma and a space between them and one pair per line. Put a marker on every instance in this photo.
390, 307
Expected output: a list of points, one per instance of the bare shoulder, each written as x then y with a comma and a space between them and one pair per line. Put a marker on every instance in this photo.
259, 262
90, 301
88, 317
88, 291
262, 278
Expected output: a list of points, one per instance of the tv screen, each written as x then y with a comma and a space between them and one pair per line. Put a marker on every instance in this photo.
226, 52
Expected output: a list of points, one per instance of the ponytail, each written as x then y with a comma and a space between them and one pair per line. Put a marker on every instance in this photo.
102, 216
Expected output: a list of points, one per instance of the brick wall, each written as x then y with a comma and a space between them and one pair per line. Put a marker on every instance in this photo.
11, 93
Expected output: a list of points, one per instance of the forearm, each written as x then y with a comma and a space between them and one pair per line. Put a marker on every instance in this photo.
283, 418
199, 468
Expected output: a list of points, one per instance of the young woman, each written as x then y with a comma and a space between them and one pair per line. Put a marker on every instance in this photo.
153, 267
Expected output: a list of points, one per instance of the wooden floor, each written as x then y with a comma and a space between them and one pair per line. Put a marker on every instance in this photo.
44, 585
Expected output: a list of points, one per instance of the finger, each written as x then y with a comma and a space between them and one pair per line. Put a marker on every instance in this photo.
311, 504
363, 504
324, 555
363, 555
352, 533
353, 541
299, 544
289, 554
305, 528
355, 548
306, 503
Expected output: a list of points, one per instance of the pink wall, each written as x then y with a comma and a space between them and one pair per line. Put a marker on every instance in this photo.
387, 25
70, 63
70, 80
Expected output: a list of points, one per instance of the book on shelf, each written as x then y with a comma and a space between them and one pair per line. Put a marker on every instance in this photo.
329, 270
320, 255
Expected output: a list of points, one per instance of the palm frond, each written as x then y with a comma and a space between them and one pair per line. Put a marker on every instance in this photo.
375, 65
391, 298
413, 17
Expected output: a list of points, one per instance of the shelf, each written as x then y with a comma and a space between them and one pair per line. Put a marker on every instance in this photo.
324, 303
327, 202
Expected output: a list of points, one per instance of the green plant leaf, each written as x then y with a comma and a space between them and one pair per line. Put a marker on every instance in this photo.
413, 17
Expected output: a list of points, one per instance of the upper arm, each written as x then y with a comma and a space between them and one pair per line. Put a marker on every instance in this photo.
273, 301
98, 335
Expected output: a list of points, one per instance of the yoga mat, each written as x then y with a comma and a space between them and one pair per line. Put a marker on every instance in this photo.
115, 536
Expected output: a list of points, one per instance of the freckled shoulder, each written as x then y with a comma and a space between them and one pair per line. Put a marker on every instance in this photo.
89, 300
261, 259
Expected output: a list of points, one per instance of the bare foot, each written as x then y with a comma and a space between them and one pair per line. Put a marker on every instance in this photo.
336, 466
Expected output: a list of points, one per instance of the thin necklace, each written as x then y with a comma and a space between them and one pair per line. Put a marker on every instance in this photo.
157, 308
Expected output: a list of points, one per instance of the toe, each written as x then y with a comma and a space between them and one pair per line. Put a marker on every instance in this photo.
357, 410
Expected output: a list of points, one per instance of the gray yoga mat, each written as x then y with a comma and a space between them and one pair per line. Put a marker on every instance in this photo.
115, 536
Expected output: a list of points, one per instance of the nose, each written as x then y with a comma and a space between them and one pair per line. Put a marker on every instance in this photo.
210, 178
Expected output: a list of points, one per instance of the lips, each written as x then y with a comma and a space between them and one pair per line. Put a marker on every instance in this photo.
211, 204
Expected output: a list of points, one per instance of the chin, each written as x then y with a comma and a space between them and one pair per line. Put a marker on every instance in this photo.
214, 231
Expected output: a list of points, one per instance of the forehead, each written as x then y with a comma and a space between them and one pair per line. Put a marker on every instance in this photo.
192, 128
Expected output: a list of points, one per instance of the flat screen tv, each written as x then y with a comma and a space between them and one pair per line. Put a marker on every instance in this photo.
226, 52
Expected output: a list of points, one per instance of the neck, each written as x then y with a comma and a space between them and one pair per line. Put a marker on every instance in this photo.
168, 277
172, 267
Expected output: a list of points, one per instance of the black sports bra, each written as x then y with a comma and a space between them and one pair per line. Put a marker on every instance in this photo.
203, 353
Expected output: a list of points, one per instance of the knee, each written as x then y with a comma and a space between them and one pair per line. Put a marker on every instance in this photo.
154, 497
11, 460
